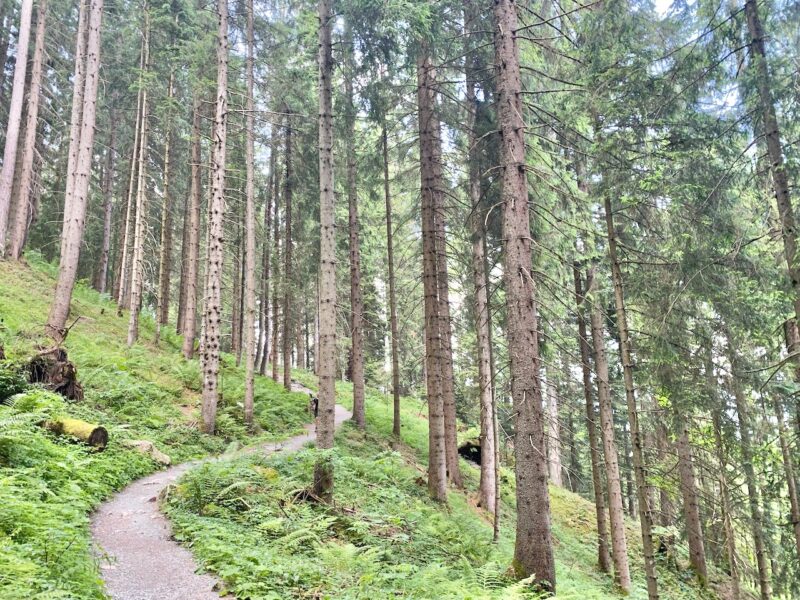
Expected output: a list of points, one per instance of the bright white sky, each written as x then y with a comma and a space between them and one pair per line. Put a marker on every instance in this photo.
662, 6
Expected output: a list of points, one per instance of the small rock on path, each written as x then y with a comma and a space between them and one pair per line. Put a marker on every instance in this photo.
139, 558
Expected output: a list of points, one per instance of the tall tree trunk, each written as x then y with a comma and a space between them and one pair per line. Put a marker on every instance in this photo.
730, 532
788, 469
288, 275
356, 298
691, 507
140, 229
249, 227
236, 304
101, 273
639, 469
746, 445
533, 552
275, 290
323, 471
266, 259
387, 196
123, 297
75, 217
619, 543
663, 447
216, 250
24, 212
14, 119
428, 137
165, 255
192, 268
603, 555
553, 439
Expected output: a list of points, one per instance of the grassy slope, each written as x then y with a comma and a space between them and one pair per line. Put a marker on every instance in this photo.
49, 485
385, 539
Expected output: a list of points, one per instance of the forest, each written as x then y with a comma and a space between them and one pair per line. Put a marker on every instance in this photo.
399, 299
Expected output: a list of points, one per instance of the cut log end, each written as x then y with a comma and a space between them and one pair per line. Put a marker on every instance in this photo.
88, 433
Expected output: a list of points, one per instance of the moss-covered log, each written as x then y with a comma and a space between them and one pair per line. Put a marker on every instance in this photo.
88, 433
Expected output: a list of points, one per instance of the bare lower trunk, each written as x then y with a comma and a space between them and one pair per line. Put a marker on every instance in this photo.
691, 507
216, 250
428, 136
533, 551
24, 213
14, 119
288, 275
268, 328
639, 469
165, 256
140, 229
323, 471
746, 444
75, 217
192, 266
249, 228
553, 435
101, 273
392, 292
603, 555
273, 355
619, 543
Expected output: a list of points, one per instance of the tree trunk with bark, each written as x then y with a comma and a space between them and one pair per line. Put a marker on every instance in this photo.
428, 137
387, 196
216, 250
323, 470
75, 204
24, 213
268, 328
626, 353
603, 555
356, 297
533, 552
101, 273
553, 440
619, 543
249, 317
691, 506
273, 354
140, 229
165, 256
192, 266
14, 119
288, 275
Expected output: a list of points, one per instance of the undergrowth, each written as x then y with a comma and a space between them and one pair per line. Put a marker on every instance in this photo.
49, 485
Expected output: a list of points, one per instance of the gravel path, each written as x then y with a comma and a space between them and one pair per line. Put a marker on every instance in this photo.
139, 558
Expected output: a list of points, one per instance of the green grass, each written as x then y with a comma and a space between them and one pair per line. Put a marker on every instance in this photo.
383, 538
49, 485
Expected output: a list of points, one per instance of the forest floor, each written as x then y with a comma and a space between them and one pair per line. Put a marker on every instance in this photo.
244, 518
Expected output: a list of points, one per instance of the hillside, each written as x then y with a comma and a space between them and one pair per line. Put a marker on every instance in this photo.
244, 517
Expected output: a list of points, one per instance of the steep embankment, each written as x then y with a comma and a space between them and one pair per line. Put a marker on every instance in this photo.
49, 485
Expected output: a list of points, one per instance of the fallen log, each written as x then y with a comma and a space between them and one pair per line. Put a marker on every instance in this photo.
88, 433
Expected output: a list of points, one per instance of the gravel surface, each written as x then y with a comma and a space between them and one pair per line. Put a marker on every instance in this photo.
139, 559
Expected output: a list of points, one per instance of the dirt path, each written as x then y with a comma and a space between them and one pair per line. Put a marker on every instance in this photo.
139, 558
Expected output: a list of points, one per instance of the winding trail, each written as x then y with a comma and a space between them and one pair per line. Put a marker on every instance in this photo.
139, 558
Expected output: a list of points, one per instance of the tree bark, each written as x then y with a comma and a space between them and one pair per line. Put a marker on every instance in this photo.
140, 228
746, 445
249, 227
639, 469
288, 275
275, 289
14, 119
788, 469
216, 250
533, 552
356, 298
428, 137
691, 507
75, 217
387, 196
24, 212
268, 329
101, 273
619, 543
553, 440
192, 268
165, 256
323, 471
123, 296
603, 555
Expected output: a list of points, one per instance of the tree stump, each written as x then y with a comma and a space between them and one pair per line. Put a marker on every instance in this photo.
52, 369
